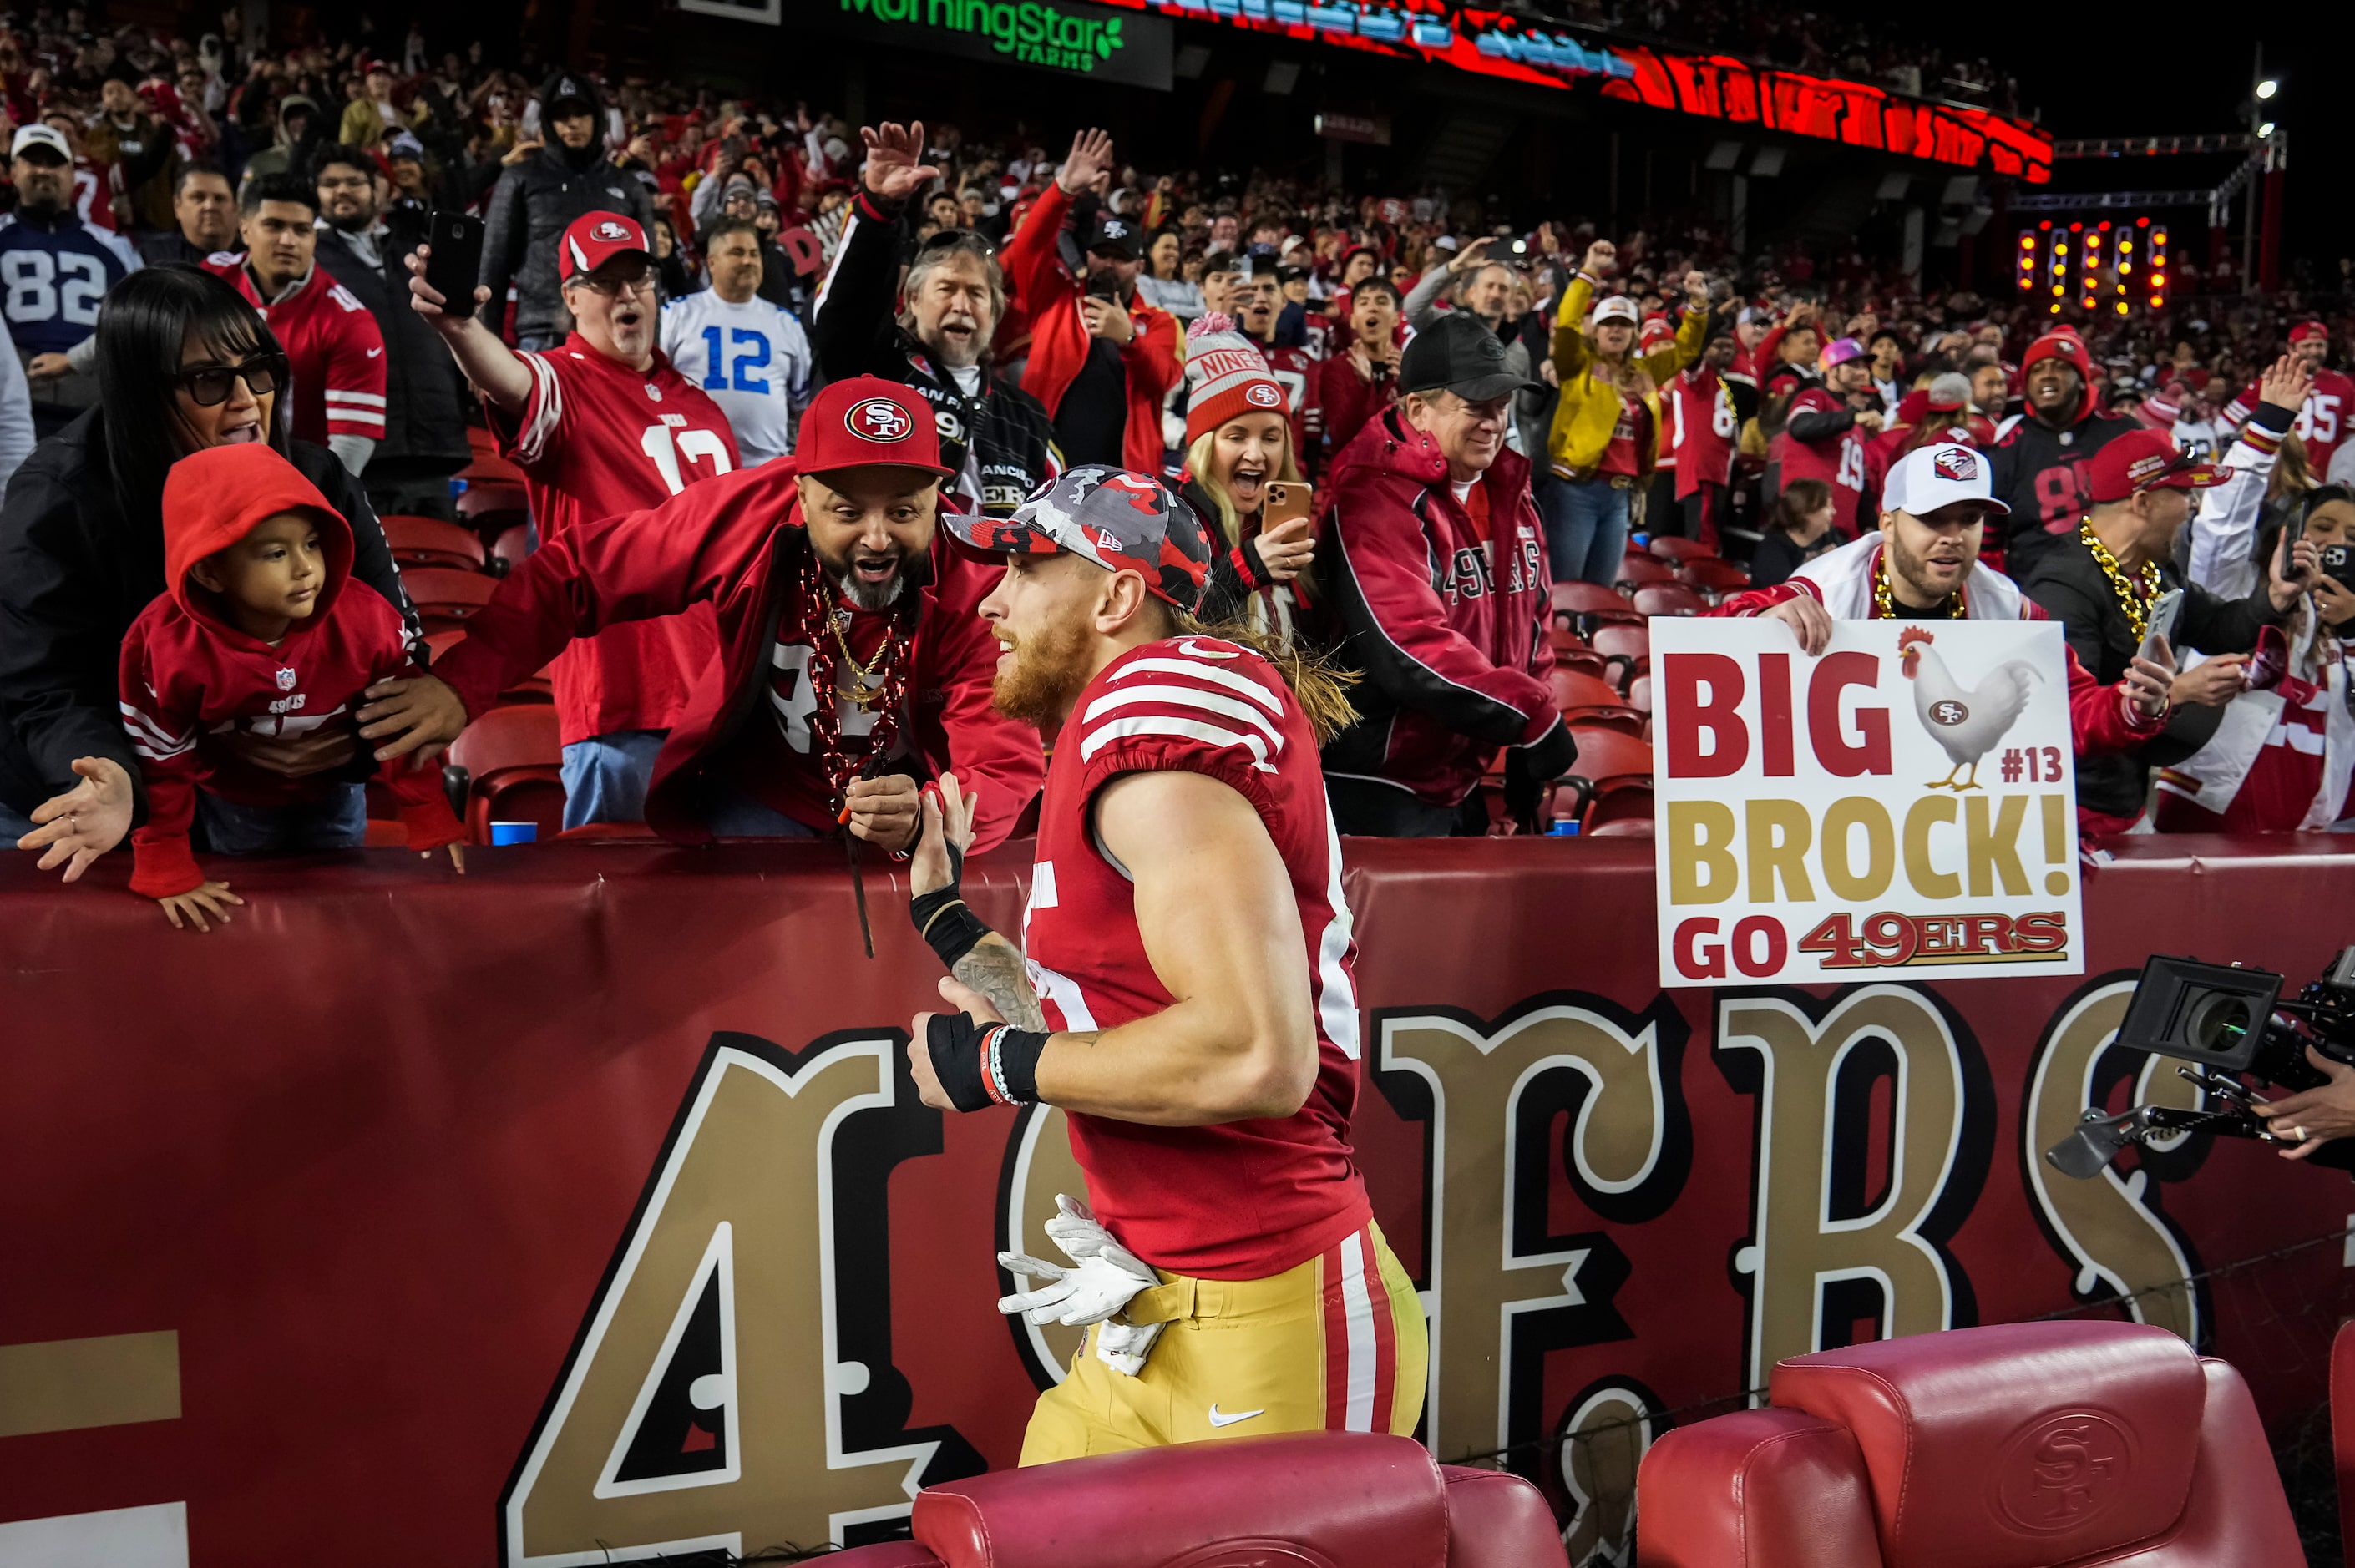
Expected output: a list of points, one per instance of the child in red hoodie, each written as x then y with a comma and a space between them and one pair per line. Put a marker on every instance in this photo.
262, 632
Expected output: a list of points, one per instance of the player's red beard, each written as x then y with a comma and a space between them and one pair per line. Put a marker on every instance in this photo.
1049, 672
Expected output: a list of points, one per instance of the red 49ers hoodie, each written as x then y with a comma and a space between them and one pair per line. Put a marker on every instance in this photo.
190, 677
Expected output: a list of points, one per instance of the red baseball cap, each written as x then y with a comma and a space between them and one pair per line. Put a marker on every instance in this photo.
869, 420
2304, 330
2144, 460
596, 238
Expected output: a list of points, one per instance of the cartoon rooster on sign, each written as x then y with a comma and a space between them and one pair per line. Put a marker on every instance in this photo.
1966, 722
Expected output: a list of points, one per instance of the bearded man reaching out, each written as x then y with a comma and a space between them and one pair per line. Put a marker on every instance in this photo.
853, 662
1184, 992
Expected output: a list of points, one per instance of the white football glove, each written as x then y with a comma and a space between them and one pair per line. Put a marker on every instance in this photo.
1106, 1279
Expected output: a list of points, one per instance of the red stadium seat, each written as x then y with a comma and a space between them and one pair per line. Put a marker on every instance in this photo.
2050, 1443
1668, 598
1610, 759
1713, 577
1341, 1497
1572, 651
1590, 604
1628, 649
430, 542
513, 544
1675, 549
445, 598
1584, 699
1639, 693
513, 760
1635, 571
1627, 817
492, 507
489, 467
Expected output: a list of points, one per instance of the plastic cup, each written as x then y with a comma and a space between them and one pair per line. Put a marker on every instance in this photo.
1567, 829
515, 832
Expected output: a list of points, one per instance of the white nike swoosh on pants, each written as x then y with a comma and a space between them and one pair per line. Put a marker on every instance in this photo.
1219, 1420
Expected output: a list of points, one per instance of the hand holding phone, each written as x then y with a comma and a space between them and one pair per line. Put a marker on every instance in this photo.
454, 266
2158, 626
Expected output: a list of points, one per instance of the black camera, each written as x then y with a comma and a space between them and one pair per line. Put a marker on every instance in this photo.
2231, 1021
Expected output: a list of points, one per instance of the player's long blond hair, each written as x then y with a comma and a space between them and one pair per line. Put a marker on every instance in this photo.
1322, 689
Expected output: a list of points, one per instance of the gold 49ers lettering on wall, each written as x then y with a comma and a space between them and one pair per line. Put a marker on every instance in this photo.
716, 1396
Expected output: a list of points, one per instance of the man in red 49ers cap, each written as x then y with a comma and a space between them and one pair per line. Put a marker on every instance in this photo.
1188, 998
600, 423
853, 663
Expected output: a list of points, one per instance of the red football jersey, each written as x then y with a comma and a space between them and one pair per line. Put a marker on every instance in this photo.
1246, 1199
1702, 427
595, 438
1292, 368
334, 350
2279, 789
2321, 424
1838, 461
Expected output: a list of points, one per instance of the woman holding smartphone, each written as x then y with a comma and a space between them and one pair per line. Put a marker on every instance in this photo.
1243, 477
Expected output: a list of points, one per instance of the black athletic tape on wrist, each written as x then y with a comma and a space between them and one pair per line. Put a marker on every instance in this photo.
942, 919
954, 1042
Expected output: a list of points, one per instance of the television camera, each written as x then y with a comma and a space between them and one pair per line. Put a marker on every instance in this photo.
2230, 1025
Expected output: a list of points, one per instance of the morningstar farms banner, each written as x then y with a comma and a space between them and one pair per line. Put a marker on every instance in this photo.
583, 1209
1905, 803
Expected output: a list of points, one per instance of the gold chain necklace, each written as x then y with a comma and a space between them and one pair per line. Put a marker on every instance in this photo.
861, 694
2136, 607
1884, 605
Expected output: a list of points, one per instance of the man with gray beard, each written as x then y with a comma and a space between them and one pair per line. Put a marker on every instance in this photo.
853, 666
995, 438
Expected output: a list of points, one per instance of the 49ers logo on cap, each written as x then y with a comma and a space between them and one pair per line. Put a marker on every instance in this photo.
1264, 395
880, 419
612, 232
1955, 464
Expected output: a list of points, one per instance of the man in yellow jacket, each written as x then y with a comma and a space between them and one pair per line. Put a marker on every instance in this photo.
1607, 425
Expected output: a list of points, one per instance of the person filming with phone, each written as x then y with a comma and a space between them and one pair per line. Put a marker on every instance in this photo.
1243, 479
2106, 581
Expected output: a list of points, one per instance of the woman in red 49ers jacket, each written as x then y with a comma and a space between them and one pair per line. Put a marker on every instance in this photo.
849, 668
1439, 587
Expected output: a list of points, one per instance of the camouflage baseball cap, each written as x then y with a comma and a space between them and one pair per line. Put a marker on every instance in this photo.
1121, 521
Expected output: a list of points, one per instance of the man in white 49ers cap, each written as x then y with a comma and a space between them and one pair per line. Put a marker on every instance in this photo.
1922, 563
599, 424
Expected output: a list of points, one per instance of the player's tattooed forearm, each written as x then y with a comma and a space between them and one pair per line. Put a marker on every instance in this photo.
995, 968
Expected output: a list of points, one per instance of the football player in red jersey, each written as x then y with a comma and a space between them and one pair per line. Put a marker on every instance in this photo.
1184, 992
600, 425
334, 350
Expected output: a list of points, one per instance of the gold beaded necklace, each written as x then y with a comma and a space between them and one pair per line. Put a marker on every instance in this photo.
2136, 606
1884, 604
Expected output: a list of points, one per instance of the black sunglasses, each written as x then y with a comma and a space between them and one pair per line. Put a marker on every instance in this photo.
208, 385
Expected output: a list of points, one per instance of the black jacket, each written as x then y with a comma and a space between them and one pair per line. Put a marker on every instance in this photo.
531, 208
157, 249
424, 411
854, 331
75, 568
2043, 474
2072, 589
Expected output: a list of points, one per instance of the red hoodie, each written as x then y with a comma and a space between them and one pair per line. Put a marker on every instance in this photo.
1035, 275
188, 675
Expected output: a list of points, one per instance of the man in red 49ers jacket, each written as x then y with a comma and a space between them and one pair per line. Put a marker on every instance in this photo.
1101, 358
1439, 584
853, 660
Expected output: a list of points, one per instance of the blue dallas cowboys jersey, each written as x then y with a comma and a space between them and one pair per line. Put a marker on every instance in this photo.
53, 274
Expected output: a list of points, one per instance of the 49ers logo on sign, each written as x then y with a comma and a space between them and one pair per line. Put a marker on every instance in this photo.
880, 419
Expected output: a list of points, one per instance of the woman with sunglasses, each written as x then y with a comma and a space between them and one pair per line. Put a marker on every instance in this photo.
184, 363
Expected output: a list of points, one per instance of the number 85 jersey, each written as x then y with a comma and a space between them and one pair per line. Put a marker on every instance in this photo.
595, 438
52, 275
1240, 1200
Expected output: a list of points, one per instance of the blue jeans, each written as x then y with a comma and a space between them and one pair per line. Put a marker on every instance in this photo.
605, 777
1586, 528
337, 822
533, 343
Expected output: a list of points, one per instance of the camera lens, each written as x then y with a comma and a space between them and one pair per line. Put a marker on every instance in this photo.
2219, 1023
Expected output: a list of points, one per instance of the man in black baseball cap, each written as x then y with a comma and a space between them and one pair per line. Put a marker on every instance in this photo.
1456, 668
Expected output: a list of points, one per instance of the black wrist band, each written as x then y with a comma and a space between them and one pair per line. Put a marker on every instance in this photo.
941, 917
954, 1042
984, 1064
